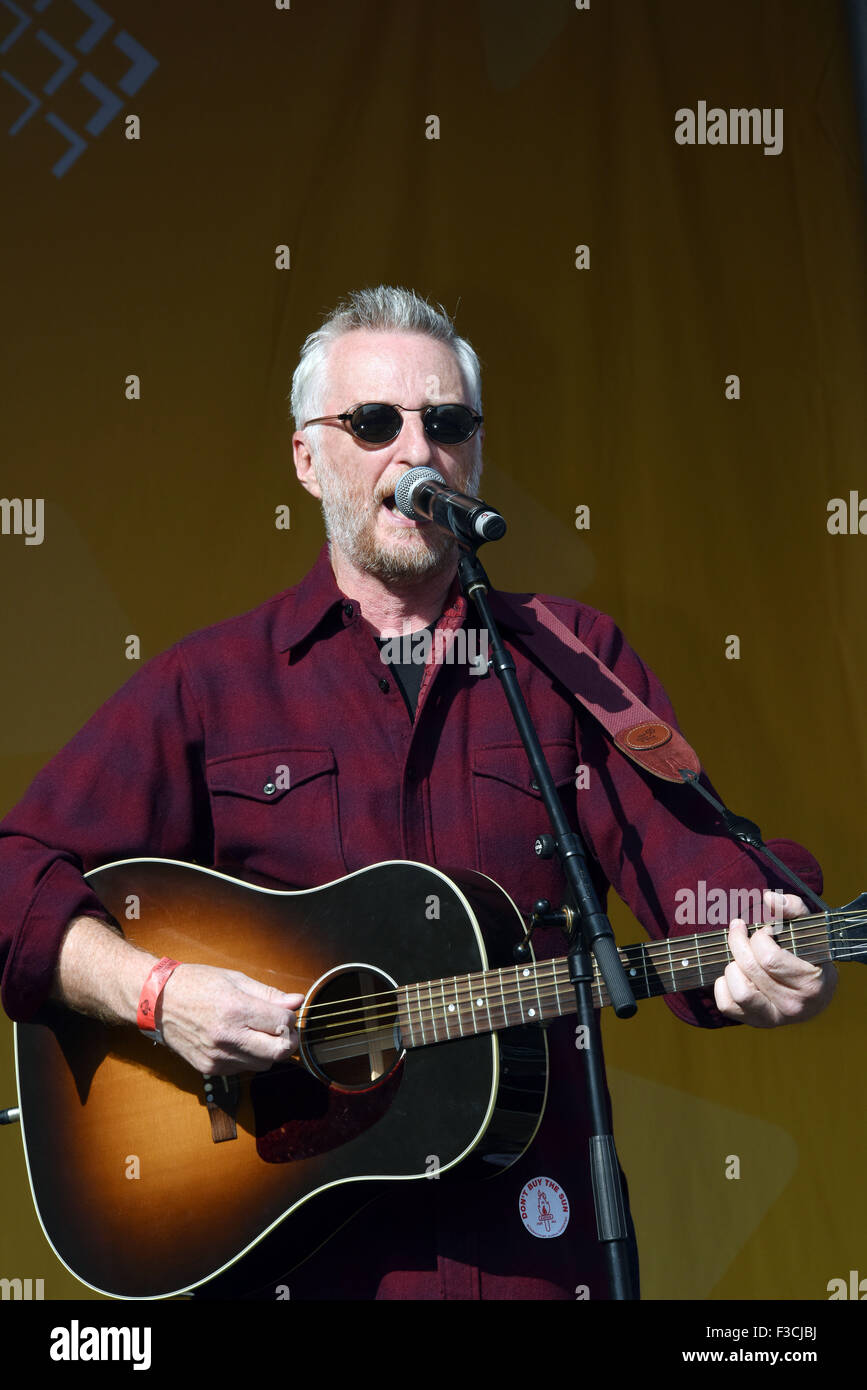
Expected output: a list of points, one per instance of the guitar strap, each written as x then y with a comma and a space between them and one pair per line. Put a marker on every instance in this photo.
643, 736
639, 733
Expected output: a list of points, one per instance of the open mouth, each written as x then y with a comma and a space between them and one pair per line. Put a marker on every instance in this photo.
397, 515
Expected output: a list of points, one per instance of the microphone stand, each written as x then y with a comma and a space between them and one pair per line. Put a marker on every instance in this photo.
587, 930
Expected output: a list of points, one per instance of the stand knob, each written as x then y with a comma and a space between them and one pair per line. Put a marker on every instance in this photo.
545, 846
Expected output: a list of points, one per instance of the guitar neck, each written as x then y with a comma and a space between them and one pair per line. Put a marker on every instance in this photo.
489, 1000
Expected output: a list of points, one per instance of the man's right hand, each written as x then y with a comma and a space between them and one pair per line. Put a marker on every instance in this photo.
221, 1021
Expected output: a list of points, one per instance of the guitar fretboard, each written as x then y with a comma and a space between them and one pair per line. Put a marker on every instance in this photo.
488, 1000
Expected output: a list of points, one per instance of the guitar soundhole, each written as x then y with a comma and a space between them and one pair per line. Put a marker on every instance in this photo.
349, 1030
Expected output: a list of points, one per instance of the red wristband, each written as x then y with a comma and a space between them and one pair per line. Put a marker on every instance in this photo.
151, 991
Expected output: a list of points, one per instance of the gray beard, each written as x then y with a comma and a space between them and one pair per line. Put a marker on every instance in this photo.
350, 521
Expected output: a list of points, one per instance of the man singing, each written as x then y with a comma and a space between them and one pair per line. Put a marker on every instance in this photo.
388, 761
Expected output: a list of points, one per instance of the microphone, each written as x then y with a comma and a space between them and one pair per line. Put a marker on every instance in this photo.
424, 494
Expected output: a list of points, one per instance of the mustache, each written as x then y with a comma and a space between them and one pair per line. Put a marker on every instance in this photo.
465, 480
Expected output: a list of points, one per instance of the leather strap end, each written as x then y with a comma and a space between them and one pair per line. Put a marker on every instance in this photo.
658, 748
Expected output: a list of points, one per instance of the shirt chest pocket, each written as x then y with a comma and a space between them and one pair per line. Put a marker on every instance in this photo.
276, 812
509, 815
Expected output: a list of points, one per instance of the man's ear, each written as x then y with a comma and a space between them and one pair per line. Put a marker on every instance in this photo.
305, 465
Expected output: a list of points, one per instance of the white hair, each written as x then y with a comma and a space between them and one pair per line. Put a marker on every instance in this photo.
385, 309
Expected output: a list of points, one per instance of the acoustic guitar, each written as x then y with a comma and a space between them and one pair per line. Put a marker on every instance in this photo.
420, 1050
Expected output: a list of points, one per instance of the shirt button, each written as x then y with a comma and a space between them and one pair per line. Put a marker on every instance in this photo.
269, 789
348, 609
384, 686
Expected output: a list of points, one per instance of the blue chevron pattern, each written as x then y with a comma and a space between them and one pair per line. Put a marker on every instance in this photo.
109, 100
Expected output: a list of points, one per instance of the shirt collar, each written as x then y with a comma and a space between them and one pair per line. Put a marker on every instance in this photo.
310, 602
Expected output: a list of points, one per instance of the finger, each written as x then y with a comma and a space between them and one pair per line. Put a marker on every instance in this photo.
770, 968
258, 1038
724, 1001
268, 992
794, 988
754, 1007
285, 1027
266, 1050
248, 1029
264, 1009
779, 905
271, 1020
254, 1051
743, 949
762, 947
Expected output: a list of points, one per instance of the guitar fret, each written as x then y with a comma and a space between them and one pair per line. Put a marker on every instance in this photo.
405, 993
487, 1001
520, 996
656, 952
671, 964
627, 961
506, 1015
644, 957
458, 1006
534, 976
474, 1002
479, 1000
685, 961
557, 990
794, 946
420, 1014
700, 966
432, 1014
597, 981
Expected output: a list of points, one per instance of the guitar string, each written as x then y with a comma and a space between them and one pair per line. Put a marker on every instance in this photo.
656, 951
499, 1019
547, 993
544, 990
515, 991
546, 996
661, 949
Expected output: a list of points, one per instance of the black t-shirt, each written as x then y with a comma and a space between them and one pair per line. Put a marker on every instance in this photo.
408, 674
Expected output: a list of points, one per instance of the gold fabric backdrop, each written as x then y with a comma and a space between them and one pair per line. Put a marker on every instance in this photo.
604, 386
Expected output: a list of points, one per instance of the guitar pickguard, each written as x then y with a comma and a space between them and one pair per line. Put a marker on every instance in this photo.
298, 1116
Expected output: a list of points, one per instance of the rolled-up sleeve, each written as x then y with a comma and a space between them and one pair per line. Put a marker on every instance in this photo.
130, 783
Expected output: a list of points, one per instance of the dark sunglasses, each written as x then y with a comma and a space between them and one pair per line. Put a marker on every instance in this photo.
377, 423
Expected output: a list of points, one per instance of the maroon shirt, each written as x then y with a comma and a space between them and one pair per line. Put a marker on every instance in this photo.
176, 764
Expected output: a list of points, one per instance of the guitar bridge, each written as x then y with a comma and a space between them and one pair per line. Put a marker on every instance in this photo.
221, 1097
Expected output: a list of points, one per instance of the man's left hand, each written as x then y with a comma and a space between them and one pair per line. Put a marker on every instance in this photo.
765, 985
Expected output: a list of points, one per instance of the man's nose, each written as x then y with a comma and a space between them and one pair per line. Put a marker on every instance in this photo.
412, 446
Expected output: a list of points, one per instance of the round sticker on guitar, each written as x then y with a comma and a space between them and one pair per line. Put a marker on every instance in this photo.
544, 1208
